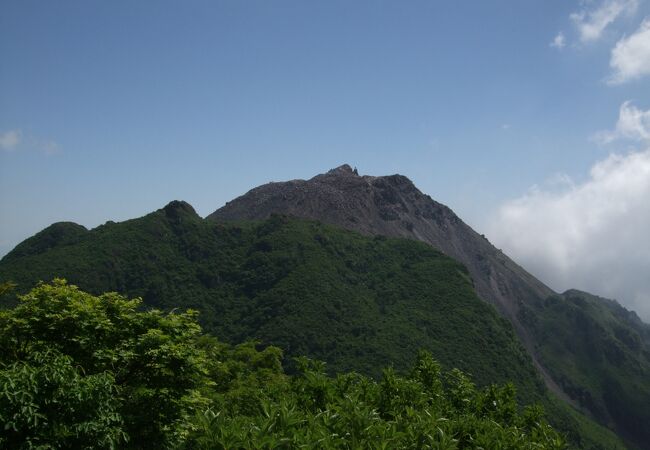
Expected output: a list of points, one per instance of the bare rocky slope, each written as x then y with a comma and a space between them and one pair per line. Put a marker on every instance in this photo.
393, 206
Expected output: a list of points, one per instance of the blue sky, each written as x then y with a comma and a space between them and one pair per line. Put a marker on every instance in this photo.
108, 110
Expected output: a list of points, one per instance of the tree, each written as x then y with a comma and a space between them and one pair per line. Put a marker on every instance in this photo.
131, 377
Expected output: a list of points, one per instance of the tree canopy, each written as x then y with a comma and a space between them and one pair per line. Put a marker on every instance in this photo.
85, 371
88, 371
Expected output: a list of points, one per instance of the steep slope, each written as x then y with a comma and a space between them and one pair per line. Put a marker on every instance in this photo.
575, 330
393, 206
357, 302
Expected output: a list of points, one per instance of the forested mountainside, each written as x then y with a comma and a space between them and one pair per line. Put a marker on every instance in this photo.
576, 331
393, 206
357, 302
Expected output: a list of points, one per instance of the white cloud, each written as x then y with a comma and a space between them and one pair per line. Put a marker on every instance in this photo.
9, 140
630, 58
633, 123
591, 235
591, 23
15, 140
559, 41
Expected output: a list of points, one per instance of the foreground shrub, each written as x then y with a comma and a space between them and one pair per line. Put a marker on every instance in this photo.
427, 409
88, 371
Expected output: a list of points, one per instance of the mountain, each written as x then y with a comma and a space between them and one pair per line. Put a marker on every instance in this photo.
358, 302
393, 206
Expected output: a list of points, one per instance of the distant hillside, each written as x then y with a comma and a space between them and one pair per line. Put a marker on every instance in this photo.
393, 206
357, 302
577, 330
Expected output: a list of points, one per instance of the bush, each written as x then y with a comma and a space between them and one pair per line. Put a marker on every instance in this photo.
427, 409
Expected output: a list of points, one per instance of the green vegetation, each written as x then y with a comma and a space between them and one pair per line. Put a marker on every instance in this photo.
426, 409
358, 303
577, 331
81, 371
355, 302
580, 431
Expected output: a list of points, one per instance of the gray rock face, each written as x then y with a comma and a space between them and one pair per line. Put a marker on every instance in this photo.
393, 206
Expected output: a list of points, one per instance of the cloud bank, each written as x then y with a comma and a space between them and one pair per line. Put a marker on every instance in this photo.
591, 236
630, 59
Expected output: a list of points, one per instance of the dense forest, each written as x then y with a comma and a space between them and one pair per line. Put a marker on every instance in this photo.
84, 371
357, 303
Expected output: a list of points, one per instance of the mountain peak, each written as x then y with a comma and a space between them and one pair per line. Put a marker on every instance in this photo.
56, 235
344, 169
177, 208
393, 206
